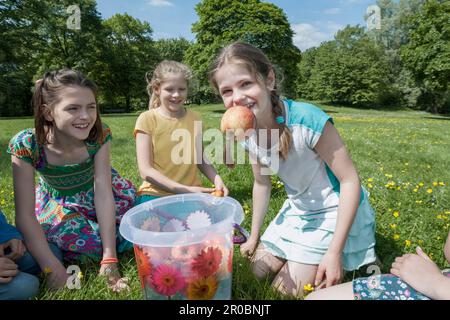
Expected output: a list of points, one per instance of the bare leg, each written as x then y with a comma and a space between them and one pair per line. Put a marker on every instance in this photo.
264, 263
338, 292
293, 276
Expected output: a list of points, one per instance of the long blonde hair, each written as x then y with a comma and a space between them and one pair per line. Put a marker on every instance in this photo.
162, 72
259, 65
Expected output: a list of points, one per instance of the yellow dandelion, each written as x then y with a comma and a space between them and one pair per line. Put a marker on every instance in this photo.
393, 225
415, 190
396, 214
447, 212
396, 236
370, 180
441, 184
421, 184
387, 175
429, 190
370, 186
407, 243
419, 201
308, 288
439, 217
47, 270
435, 184
80, 275
3, 202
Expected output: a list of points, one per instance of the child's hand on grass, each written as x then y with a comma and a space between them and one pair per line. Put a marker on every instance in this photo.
248, 247
114, 280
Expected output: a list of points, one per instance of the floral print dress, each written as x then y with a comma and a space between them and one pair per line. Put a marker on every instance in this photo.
65, 198
386, 287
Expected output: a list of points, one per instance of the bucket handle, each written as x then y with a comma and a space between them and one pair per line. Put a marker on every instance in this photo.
241, 236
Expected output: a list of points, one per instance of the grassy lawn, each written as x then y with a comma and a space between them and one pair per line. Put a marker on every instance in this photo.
403, 158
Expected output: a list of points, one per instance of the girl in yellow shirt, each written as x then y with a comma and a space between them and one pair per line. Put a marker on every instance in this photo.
168, 139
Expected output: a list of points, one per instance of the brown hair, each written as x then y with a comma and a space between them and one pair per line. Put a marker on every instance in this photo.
257, 63
47, 92
162, 72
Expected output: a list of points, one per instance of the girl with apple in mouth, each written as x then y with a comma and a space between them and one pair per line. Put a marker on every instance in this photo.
326, 224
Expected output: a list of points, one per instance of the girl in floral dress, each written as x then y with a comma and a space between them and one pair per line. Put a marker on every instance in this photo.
79, 199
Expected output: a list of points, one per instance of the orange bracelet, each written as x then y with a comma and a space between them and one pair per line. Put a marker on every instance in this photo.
109, 260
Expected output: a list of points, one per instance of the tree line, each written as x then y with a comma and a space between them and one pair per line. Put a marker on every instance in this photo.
406, 63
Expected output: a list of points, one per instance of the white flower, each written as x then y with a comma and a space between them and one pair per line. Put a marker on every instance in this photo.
173, 225
151, 224
198, 219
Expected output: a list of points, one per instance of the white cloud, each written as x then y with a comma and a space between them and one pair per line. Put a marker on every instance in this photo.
332, 11
312, 35
160, 3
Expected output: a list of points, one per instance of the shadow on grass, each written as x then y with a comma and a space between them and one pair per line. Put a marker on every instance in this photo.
437, 118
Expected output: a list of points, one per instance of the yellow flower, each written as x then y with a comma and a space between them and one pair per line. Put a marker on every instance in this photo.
80, 275
420, 242
47, 270
439, 216
308, 288
396, 214
406, 164
3, 202
387, 175
393, 225
421, 184
429, 190
370, 180
415, 190
370, 186
441, 184
435, 184
447, 212
396, 236
418, 201
407, 243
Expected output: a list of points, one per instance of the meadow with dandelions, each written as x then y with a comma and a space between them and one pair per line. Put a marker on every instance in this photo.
403, 159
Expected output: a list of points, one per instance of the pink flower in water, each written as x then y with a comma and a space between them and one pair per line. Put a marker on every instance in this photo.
167, 280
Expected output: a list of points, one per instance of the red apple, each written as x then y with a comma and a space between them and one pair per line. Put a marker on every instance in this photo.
237, 119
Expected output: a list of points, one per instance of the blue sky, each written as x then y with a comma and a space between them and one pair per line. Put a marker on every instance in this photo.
313, 21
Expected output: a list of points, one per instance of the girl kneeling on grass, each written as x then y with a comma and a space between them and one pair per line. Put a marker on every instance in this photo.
79, 199
327, 223
413, 277
162, 174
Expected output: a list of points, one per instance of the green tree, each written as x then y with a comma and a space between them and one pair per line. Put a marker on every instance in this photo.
128, 55
172, 49
259, 23
350, 69
427, 55
36, 38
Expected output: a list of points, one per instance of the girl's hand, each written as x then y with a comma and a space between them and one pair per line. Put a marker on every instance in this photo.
218, 182
114, 280
56, 276
248, 247
417, 270
330, 271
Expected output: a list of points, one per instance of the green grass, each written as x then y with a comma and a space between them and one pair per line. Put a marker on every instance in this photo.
402, 153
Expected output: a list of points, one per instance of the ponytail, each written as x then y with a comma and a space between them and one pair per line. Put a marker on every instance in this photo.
285, 133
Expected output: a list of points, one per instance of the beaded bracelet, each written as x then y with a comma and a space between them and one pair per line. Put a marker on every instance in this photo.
109, 260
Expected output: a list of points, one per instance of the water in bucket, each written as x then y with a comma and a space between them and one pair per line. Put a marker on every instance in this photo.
183, 245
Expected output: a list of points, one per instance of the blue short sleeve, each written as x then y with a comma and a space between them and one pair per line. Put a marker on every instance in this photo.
309, 118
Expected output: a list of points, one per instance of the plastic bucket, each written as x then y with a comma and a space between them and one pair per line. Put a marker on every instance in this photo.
183, 245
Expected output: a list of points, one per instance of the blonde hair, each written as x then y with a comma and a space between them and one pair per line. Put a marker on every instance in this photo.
162, 72
257, 63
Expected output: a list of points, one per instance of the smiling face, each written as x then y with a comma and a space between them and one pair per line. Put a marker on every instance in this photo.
239, 87
74, 115
172, 93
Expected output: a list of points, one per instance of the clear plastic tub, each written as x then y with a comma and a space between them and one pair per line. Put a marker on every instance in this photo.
183, 245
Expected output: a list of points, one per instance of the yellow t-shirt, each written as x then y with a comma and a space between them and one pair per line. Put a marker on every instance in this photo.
173, 142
